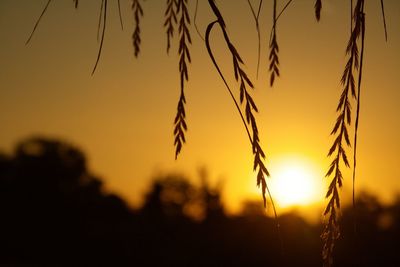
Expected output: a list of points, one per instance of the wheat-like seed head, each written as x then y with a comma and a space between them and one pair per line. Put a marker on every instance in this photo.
137, 13
180, 125
184, 54
170, 21
331, 229
250, 109
274, 50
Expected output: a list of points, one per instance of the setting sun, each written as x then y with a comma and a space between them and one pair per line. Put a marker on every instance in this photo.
295, 182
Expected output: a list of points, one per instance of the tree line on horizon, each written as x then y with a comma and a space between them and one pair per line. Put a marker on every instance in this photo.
55, 211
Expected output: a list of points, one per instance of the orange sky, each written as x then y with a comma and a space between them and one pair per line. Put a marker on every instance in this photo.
122, 117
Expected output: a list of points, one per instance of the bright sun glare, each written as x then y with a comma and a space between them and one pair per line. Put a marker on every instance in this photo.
295, 182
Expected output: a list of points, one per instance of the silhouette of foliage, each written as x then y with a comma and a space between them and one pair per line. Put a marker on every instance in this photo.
55, 212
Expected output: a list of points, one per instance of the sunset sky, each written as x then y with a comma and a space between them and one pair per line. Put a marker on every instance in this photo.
122, 117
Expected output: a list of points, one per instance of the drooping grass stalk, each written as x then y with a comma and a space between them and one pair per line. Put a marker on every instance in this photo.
103, 7
256, 20
76, 2
170, 21
249, 105
274, 50
318, 7
184, 54
138, 14
362, 18
331, 229
211, 54
249, 109
37, 21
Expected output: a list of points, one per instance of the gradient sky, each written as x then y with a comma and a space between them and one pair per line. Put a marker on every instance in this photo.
122, 117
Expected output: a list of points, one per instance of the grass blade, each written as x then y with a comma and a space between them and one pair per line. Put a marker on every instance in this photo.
37, 22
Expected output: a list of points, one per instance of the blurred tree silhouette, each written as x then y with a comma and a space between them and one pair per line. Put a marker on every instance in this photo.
55, 212
173, 197
53, 208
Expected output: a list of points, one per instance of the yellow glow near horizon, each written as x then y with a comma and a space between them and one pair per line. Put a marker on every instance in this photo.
295, 182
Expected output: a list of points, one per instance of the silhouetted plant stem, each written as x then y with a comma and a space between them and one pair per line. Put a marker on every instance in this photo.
362, 18
265, 185
351, 16
99, 20
211, 54
38, 20
331, 230
277, 18
250, 107
256, 17
283, 9
104, 6
185, 39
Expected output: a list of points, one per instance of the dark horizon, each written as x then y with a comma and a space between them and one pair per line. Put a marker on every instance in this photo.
56, 212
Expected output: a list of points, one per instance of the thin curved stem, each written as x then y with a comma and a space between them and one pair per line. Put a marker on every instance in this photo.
283, 9
351, 16
259, 9
256, 16
104, 2
241, 77
277, 18
252, 10
37, 22
210, 53
100, 16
